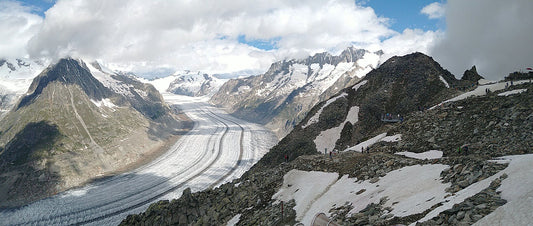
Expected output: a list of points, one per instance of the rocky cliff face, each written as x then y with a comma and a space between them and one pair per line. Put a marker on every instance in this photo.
471, 75
76, 123
282, 96
493, 125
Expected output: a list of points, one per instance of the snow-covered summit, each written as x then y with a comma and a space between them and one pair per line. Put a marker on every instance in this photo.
289, 88
16, 74
189, 83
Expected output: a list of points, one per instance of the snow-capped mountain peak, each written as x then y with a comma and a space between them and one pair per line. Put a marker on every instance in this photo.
189, 83
288, 89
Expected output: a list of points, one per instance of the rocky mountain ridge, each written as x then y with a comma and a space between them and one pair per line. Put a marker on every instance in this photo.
468, 184
94, 122
401, 85
282, 96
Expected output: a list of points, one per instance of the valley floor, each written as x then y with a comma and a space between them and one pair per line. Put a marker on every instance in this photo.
219, 148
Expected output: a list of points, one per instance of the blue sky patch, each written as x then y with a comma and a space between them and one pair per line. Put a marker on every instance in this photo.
269, 44
39, 6
406, 14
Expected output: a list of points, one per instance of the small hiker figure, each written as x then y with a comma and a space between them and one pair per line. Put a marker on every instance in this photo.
511, 82
506, 85
286, 158
367, 150
330, 156
362, 150
464, 149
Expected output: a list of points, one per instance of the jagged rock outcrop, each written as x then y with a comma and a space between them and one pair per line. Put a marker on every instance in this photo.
77, 123
471, 75
282, 96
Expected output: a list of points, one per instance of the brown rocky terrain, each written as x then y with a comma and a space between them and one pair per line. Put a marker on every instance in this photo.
491, 126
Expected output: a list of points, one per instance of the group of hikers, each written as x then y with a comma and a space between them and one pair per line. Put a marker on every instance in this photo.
463, 150
388, 117
507, 84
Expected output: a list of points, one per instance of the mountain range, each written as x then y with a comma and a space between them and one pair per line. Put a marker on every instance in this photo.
188, 83
78, 121
281, 97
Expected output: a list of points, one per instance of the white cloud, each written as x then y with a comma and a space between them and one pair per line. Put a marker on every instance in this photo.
434, 10
166, 35
494, 35
410, 41
202, 35
17, 25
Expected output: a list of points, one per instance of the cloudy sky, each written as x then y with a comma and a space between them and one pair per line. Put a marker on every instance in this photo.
244, 36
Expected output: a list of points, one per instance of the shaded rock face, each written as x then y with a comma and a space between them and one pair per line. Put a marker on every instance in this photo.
401, 85
471, 75
35, 136
143, 97
78, 74
282, 96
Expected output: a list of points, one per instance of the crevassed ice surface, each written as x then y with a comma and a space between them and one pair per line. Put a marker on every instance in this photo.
218, 149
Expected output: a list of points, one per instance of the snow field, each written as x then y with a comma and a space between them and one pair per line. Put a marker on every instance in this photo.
104, 102
109, 82
299, 75
508, 93
358, 85
444, 81
233, 221
481, 90
517, 189
432, 154
315, 117
19, 80
305, 188
410, 190
328, 138
380, 137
